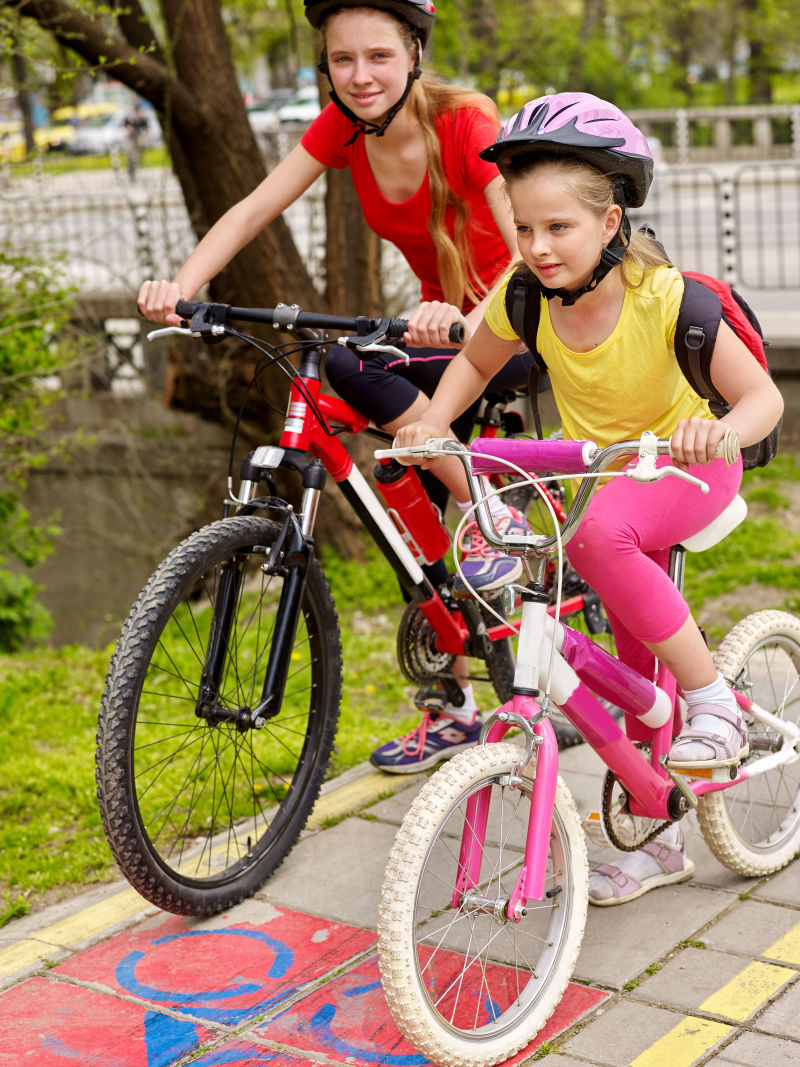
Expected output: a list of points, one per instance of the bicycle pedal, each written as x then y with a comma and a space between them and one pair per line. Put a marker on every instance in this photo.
710, 774
592, 824
432, 700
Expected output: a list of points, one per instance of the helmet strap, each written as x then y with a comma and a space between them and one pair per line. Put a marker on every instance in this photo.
610, 257
364, 126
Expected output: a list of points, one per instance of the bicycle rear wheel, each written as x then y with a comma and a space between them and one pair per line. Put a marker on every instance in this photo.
754, 828
198, 808
466, 985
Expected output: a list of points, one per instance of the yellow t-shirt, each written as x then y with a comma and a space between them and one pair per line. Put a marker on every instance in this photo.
629, 383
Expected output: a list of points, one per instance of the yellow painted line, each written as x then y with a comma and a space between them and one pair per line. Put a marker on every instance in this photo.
100, 917
684, 1044
747, 990
736, 1000
68, 932
786, 948
351, 797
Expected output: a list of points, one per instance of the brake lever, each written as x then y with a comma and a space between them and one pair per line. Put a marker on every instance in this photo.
647, 471
374, 344
184, 331
430, 449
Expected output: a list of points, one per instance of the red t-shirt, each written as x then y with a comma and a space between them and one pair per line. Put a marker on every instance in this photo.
462, 134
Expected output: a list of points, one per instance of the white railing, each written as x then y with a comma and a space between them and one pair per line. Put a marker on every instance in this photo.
753, 132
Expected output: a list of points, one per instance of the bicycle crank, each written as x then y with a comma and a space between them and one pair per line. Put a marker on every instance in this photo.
623, 830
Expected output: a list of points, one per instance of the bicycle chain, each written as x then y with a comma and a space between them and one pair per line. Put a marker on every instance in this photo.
608, 788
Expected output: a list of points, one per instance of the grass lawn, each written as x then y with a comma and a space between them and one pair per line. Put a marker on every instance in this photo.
51, 839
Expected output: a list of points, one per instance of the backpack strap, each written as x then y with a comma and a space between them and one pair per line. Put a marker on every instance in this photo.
695, 336
523, 310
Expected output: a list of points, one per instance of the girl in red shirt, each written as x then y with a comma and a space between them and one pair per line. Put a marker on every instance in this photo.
412, 144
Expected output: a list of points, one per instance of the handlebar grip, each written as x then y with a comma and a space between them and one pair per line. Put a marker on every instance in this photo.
397, 327
185, 308
729, 447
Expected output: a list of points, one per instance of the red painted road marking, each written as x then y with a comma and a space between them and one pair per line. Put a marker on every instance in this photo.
220, 972
51, 1024
212, 975
347, 1019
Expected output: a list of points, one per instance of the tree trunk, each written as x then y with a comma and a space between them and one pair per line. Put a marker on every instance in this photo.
216, 159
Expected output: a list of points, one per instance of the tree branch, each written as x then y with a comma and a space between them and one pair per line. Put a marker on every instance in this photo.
99, 45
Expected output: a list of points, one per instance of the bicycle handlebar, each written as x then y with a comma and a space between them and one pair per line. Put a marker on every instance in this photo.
494, 455
291, 317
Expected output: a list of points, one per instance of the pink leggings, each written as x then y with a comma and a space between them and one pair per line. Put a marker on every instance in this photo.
622, 550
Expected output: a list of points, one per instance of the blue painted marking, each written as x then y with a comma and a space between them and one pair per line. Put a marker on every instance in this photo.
322, 1030
125, 973
194, 1002
358, 990
167, 1039
284, 956
282, 962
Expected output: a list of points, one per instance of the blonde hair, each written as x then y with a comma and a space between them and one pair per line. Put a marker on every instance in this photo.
596, 191
428, 98
456, 267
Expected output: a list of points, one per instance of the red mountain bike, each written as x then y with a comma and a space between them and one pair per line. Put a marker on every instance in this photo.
222, 698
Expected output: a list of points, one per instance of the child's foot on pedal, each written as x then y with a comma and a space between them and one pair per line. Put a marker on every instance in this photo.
486, 569
438, 737
713, 736
660, 862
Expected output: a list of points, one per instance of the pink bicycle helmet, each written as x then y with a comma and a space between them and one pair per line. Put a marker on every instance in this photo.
583, 126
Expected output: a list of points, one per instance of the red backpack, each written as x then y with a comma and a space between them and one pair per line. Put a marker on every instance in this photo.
706, 300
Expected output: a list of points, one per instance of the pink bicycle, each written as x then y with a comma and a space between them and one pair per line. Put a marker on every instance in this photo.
485, 893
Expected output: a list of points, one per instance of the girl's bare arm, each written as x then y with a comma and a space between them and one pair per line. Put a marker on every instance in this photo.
237, 227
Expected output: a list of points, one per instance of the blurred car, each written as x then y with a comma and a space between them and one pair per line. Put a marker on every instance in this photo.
263, 114
304, 106
102, 134
54, 138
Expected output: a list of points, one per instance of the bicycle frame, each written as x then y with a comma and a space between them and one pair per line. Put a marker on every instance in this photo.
307, 432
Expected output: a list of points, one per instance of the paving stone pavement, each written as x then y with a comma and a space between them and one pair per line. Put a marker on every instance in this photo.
705, 972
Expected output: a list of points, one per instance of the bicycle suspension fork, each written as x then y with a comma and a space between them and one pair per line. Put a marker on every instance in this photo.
290, 555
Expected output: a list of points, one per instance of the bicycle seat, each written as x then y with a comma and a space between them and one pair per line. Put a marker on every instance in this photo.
719, 528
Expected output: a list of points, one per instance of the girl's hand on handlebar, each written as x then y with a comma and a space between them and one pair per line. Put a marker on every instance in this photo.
698, 440
429, 326
157, 300
417, 433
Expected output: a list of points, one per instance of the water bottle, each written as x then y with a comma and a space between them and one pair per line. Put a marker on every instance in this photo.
412, 510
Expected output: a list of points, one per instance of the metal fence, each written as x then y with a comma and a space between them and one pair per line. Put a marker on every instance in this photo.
741, 223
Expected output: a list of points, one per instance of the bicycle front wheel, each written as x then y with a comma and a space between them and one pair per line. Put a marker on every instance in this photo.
466, 985
198, 807
754, 827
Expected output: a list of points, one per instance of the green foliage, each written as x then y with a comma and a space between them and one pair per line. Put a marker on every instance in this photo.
13, 909
762, 552
50, 832
31, 348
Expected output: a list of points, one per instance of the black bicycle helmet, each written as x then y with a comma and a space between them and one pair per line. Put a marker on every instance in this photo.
418, 14
582, 126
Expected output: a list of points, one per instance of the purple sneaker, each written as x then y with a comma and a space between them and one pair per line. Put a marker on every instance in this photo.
436, 738
486, 569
